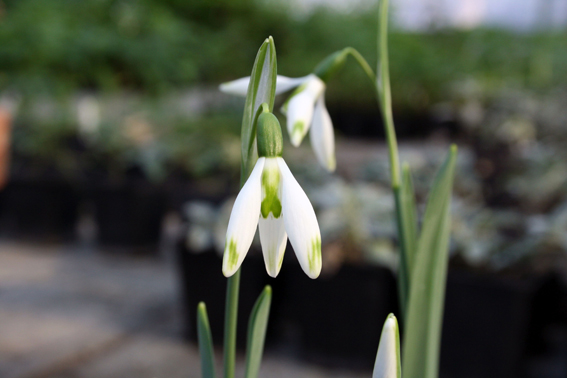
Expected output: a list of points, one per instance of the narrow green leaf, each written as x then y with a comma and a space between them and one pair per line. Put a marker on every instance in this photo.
422, 336
205, 342
408, 231
262, 89
257, 332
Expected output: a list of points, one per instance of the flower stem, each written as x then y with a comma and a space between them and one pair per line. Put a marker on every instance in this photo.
381, 84
230, 321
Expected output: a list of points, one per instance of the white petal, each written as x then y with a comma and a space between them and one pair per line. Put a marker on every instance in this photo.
243, 221
300, 223
284, 83
388, 357
238, 87
272, 231
299, 109
274, 239
322, 136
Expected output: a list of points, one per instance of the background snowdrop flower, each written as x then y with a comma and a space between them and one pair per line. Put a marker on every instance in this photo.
272, 199
305, 109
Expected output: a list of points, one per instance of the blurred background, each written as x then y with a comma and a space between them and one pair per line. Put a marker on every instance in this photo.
119, 162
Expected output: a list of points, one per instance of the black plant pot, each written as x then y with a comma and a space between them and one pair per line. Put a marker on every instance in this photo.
201, 280
39, 208
340, 317
128, 213
486, 325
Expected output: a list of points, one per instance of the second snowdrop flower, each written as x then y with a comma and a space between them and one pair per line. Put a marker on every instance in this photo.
305, 110
272, 199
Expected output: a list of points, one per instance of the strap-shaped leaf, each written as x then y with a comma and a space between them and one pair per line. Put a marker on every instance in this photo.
408, 231
205, 342
262, 89
422, 336
257, 332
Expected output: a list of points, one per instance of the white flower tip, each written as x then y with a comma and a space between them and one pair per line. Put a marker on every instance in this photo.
314, 259
297, 133
230, 259
387, 359
272, 271
331, 164
391, 323
237, 87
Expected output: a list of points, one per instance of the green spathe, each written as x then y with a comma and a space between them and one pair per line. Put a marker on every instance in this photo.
269, 133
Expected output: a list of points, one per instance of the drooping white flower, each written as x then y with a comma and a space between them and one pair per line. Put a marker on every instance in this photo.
273, 200
305, 109
387, 363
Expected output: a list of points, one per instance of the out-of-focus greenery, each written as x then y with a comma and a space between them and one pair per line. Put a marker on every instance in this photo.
59, 46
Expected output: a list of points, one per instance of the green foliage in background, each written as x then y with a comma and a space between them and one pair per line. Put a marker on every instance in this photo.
59, 46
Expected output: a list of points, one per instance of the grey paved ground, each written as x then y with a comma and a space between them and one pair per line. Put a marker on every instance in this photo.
70, 312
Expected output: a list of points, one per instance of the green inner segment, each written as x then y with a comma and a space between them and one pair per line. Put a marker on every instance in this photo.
270, 184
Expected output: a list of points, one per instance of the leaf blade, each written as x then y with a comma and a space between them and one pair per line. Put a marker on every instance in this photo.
257, 332
422, 335
408, 231
205, 342
262, 89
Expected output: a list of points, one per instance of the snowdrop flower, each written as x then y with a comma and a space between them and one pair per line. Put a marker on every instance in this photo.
272, 199
305, 109
387, 363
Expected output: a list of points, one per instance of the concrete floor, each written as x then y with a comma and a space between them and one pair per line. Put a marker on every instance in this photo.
72, 312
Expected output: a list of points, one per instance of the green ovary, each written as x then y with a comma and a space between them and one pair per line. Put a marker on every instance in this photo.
270, 184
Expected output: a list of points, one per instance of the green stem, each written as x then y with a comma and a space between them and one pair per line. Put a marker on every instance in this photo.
230, 321
382, 88
384, 93
381, 83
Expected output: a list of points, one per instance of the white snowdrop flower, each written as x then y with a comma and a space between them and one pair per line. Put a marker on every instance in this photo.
273, 200
305, 110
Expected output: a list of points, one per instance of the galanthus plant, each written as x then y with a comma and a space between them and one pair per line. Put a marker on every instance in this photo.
271, 199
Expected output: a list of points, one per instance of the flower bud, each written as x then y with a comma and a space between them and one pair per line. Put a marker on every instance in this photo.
329, 66
269, 133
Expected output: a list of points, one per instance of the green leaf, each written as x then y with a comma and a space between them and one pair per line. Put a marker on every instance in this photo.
205, 342
422, 336
408, 231
262, 89
257, 332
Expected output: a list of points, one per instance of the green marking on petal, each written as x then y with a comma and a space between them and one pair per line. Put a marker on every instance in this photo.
270, 185
281, 261
232, 254
297, 131
314, 254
